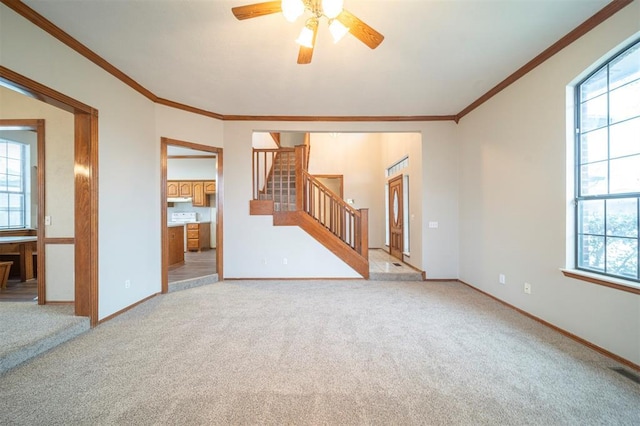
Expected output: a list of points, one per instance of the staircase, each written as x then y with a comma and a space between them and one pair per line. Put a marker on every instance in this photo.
283, 188
281, 182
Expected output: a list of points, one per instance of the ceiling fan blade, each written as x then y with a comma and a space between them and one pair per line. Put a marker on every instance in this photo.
255, 10
305, 53
360, 30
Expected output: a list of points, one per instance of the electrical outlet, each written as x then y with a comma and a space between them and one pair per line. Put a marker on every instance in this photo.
284, 261
527, 288
502, 279
127, 283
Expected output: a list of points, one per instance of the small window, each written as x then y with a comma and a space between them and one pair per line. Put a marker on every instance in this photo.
395, 168
12, 184
608, 168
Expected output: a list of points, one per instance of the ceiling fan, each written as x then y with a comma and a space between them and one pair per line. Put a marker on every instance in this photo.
340, 21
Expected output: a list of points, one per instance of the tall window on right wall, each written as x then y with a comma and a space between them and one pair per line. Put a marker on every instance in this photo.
608, 168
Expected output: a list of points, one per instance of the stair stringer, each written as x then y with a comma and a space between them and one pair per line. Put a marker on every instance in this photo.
357, 262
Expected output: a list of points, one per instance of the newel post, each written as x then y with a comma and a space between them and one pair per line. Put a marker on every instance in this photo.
364, 233
300, 154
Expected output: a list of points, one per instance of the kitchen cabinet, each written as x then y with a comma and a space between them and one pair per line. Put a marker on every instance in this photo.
209, 187
173, 189
198, 191
185, 189
200, 199
176, 245
198, 236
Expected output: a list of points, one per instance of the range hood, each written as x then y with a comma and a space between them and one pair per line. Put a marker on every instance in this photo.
179, 200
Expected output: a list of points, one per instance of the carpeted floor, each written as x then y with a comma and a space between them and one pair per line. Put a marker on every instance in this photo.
320, 352
28, 329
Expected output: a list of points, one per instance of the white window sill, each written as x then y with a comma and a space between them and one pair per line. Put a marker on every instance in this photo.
603, 280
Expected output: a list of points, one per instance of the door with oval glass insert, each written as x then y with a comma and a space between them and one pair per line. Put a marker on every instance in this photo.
396, 214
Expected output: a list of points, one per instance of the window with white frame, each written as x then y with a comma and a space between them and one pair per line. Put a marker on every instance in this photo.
608, 168
396, 167
13, 167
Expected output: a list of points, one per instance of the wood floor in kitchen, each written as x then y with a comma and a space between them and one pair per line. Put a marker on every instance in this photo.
196, 264
17, 291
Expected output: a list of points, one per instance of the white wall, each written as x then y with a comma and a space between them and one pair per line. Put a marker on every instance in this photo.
192, 168
440, 165
186, 127
355, 156
513, 202
129, 237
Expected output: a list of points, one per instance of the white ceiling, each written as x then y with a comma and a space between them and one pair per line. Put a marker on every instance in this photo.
437, 56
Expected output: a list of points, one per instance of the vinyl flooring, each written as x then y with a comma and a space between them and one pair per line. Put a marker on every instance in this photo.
196, 264
17, 291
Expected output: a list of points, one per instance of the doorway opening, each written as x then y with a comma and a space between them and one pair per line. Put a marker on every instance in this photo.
85, 193
21, 200
191, 212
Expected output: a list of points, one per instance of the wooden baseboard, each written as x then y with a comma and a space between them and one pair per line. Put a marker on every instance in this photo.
572, 336
294, 279
122, 311
445, 280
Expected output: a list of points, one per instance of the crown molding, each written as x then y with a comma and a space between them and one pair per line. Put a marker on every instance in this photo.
360, 118
595, 20
177, 105
40, 21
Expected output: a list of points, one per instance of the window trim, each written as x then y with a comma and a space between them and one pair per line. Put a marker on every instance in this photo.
603, 280
577, 272
24, 166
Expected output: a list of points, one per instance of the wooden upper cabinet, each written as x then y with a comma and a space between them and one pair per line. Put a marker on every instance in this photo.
198, 191
210, 187
172, 189
185, 189
200, 199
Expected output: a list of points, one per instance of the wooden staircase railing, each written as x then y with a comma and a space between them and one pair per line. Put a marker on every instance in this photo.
283, 187
333, 213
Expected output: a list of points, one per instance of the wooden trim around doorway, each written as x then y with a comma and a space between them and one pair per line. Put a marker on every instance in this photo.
164, 143
86, 188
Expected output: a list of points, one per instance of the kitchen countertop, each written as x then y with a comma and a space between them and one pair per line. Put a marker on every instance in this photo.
170, 224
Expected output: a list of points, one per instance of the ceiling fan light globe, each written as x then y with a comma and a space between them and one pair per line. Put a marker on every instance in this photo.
332, 8
292, 9
306, 37
337, 30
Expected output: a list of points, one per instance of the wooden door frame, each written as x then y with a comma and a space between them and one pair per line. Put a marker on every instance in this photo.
164, 143
85, 190
400, 178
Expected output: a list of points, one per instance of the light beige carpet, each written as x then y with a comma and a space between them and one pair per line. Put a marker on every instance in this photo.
320, 352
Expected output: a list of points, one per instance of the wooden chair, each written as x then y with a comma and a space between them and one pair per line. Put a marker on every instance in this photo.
5, 267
